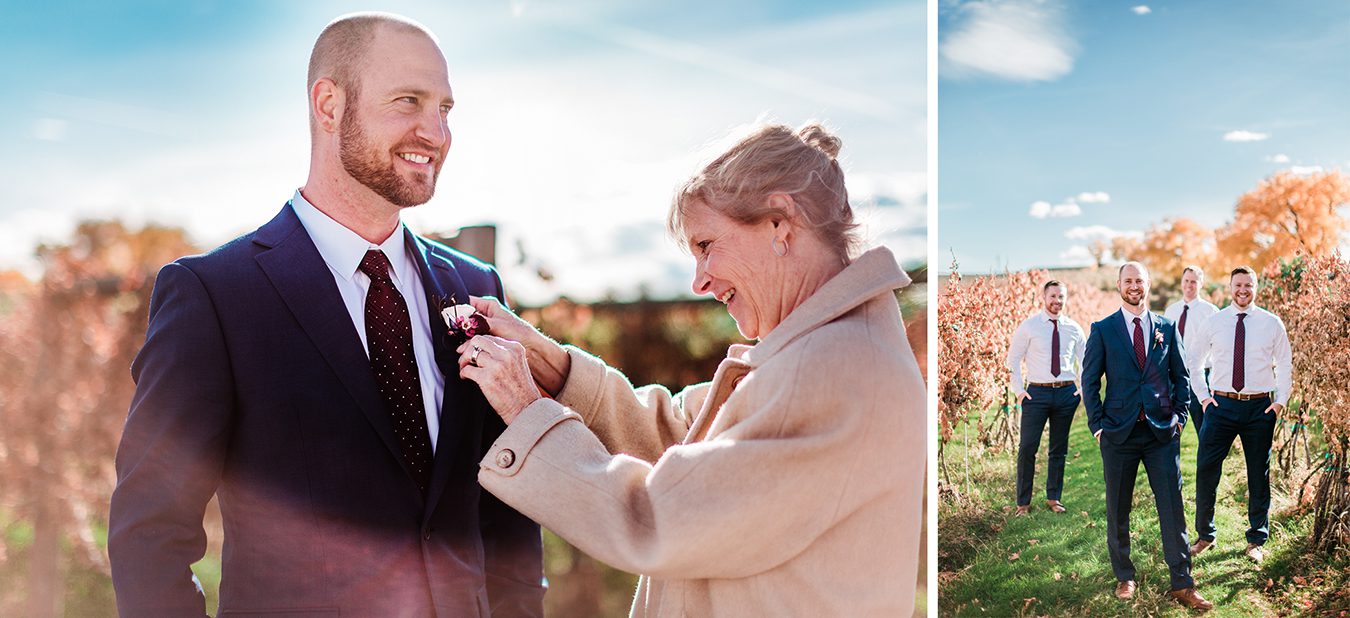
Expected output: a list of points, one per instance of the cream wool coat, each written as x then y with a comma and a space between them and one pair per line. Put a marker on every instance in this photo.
791, 485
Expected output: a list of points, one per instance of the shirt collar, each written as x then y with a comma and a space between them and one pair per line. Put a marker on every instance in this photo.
343, 249
1145, 318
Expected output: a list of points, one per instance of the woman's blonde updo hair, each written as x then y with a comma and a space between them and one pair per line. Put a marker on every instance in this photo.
776, 159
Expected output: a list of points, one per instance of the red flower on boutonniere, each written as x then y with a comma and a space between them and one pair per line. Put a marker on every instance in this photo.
463, 321
1157, 338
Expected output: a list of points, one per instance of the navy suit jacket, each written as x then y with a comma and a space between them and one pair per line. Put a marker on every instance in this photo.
1160, 388
253, 385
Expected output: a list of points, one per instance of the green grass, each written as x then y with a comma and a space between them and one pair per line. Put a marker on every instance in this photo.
994, 564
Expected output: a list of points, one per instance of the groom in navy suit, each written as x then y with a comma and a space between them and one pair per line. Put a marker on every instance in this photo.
303, 374
1140, 421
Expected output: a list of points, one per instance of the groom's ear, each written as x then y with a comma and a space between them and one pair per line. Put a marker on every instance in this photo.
326, 101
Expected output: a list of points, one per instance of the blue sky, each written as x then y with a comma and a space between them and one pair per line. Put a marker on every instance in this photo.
574, 121
1116, 115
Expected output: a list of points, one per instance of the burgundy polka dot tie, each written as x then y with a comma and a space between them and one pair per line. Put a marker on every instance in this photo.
389, 337
1054, 350
1239, 354
1139, 342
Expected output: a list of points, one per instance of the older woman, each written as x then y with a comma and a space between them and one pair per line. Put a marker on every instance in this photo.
789, 485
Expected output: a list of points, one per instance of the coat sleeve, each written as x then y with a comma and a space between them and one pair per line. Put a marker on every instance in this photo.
742, 502
641, 422
513, 547
1181, 377
172, 451
1094, 364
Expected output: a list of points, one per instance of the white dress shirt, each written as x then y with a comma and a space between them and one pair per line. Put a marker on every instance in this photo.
1031, 343
342, 250
1201, 310
1146, 323
1266, 355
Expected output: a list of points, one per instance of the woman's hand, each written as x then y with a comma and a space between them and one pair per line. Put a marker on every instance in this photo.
549, 362
500, 369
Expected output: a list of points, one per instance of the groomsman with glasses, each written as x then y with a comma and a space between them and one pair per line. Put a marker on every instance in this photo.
1249, 349
1188, 314
1052, 346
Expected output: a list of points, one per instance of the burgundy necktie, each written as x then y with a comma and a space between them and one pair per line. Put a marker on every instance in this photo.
1239, 351
1139, 353
1054, 350
1181, 328
389, 337
1139, 342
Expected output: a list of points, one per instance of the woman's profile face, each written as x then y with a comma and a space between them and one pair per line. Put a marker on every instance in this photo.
735, 263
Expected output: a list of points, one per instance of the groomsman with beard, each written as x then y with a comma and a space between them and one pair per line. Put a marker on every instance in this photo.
1140, 421
1249, 348
1052, 345
1188, 314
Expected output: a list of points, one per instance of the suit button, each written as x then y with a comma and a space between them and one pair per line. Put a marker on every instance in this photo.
505, 458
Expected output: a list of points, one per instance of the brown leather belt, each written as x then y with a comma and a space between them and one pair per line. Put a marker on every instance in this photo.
1052, 384
1242, 397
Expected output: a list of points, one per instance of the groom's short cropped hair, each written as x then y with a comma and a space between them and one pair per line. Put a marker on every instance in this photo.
1143, 270
341, 48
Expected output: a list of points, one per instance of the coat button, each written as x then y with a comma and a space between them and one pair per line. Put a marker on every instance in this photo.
505, 458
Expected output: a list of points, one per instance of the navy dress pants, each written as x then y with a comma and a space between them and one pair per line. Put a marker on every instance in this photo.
1246, 420
1162, 462
1056, 406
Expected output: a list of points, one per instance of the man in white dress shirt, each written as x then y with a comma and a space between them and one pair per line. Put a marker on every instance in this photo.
1249, 348
1188, 314
1051, 344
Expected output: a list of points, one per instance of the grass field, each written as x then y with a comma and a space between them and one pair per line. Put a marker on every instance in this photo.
992, 563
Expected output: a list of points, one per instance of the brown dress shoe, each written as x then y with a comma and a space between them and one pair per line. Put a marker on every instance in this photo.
1023, 509
1055, 506
1191, 599
1125, 590
1254, 552
1200, 546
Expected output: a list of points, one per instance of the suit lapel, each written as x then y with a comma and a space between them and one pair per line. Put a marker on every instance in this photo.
1122, 331
1155, 350
460, 403
305, 284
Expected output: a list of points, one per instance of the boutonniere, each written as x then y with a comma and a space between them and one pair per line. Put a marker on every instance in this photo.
1157, 338
463, 322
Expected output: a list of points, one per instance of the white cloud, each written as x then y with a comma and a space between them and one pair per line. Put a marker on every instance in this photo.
1091, 232
1077, 255
1302, 170
1243, 135
1098, 197
1042, 209
1142, 10
1016, 40
1279, 158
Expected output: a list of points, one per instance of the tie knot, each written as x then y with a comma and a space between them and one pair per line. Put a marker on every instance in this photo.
375, 265
1241, 316
1136, 321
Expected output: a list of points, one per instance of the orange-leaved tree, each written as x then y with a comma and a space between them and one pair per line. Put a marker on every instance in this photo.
1287, 214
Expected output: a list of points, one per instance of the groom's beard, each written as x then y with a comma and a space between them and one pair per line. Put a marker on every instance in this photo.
364, 163
1125, 296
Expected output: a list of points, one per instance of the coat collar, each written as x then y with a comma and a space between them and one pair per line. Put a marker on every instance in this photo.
302, 278
872, 274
